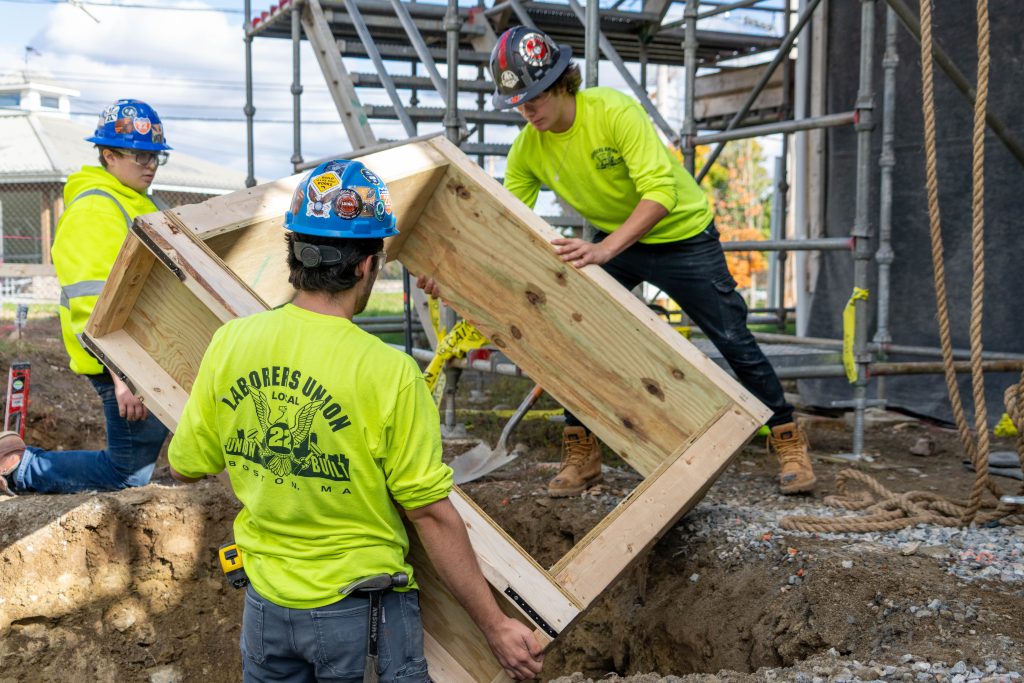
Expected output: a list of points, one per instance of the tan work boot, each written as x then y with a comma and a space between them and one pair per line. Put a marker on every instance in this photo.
581, 464
790, 445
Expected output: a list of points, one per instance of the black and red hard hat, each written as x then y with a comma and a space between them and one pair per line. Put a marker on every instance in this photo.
525, 63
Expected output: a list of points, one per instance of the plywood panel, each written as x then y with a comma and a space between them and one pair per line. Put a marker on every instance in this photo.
172, 326
564, 327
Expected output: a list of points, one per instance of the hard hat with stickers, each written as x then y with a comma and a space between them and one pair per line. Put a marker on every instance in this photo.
524, 63
344, 199
130, 124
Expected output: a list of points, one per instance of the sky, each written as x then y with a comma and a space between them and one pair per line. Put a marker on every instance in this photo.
186, 59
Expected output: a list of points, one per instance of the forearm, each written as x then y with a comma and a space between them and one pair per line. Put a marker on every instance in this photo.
644, 217
443, 534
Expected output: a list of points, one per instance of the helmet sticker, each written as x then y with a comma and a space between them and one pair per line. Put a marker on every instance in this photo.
129, 112
370, 176
378, 210
509, 79
109, 115
318, 209
348, 204
534, 49
385, 197
158, 133
297, 200
123, 126
141, 126
515, 99
325, 182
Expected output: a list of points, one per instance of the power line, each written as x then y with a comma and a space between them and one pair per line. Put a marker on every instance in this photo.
128, 5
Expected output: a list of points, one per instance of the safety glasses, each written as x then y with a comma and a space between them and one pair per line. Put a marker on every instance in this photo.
382, 258
144, 158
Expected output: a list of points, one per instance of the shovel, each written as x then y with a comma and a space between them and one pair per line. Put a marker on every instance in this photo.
481, 459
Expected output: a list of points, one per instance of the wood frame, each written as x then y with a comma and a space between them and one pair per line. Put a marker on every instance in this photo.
664, 407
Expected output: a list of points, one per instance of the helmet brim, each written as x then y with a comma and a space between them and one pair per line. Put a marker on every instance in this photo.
499, 101
120, 144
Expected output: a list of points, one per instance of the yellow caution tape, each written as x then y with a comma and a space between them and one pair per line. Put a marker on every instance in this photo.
1005, 427
849, 325
530, 415
462, 339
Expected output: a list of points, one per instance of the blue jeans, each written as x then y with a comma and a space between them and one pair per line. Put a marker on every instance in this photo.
694, 274
329, 643
132, 449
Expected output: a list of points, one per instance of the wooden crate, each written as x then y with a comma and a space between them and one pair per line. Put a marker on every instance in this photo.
664, 407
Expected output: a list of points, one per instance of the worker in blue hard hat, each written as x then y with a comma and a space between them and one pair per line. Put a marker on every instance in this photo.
101, 203
327, 435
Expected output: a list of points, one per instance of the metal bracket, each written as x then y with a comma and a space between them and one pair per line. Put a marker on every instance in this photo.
530, 612
102, 358
158, 252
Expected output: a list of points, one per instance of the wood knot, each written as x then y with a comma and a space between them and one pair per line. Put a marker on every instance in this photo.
577, 316
561, 279
627, 423
516, 333
459, 190
653, 388
678, 374
498, 341
536, 298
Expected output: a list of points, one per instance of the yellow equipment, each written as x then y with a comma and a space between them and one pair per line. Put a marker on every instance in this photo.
231, 564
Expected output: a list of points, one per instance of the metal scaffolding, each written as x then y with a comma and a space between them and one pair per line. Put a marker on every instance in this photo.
423, 34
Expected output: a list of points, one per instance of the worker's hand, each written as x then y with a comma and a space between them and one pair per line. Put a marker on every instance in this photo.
518, 652
129, 406
581, 252
429, 287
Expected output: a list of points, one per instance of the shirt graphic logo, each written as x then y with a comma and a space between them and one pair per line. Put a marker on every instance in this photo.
606, 157
283, 439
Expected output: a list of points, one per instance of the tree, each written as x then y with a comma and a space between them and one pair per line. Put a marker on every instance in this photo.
739, 189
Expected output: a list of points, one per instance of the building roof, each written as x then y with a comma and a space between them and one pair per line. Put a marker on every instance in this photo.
41, 148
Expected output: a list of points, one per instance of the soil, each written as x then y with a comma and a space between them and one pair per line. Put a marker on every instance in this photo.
125, 587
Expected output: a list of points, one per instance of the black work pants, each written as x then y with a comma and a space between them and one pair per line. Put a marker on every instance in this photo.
694, 274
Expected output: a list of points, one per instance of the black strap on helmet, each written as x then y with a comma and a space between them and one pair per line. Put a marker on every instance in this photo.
313, 255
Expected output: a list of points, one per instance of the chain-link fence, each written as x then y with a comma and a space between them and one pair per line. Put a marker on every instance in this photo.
29, 212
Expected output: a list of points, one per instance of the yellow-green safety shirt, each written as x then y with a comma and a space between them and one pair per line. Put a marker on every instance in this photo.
608, 161
100, 210
319, 425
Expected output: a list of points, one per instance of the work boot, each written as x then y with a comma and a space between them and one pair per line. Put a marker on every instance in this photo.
790, 445
581, 463
12, 447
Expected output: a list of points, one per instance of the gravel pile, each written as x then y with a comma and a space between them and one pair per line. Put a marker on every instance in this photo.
833, 668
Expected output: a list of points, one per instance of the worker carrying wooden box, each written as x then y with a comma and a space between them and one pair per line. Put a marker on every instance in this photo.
328, 435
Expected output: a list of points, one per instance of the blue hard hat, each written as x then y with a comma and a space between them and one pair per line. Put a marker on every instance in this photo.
130, 124
341, 198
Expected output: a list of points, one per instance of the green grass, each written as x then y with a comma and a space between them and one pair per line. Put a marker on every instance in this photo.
383, 303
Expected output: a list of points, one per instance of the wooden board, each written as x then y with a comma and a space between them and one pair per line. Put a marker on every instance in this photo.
668, 410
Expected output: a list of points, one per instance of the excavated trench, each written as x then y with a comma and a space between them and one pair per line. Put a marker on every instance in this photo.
124, 587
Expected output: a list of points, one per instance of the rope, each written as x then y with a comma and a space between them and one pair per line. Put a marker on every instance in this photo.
884, 510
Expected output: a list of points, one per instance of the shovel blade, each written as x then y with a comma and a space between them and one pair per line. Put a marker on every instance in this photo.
478, 461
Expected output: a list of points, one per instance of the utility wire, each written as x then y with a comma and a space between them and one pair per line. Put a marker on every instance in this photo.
127, 5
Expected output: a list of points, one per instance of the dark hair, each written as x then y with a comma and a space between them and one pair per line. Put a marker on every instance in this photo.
334, 278
569, 82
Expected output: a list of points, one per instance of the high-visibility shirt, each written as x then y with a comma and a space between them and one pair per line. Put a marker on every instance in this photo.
319, 425
99, 211
608, 161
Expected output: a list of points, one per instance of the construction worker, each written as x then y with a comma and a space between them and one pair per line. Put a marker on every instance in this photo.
327, 435
101, 203
598, 151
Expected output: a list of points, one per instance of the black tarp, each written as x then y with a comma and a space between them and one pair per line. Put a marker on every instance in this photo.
913, 312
